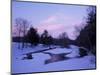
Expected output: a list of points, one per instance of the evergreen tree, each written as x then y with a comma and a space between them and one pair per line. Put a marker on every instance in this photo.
46, 39
87, 37
33, 36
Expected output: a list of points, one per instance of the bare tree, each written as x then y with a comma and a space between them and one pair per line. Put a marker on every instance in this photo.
22, 25
63, 38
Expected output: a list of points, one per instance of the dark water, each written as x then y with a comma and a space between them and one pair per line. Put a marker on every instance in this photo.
56, 57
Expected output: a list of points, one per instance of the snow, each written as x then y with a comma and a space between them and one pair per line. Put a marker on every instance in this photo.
72, 64
37, 64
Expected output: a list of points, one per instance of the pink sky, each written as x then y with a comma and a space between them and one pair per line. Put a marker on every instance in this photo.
55, 27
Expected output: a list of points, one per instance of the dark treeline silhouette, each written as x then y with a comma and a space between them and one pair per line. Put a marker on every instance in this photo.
32, 36
87, 37
45, 38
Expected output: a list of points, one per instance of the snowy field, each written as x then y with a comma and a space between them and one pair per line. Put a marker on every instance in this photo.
37, 64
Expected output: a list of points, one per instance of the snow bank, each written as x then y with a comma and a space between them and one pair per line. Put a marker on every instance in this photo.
37, 63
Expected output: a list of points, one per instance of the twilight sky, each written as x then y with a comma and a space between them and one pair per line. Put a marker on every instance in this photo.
56, 18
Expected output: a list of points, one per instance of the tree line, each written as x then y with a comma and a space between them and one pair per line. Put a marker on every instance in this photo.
32, 36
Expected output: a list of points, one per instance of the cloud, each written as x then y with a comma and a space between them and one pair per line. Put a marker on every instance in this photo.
58, 23
50, 19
